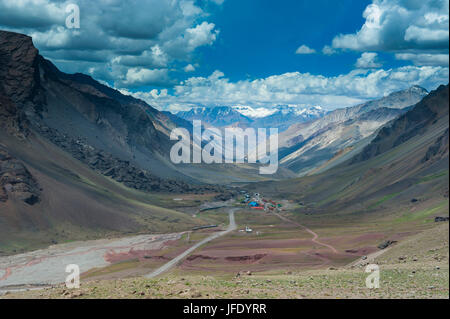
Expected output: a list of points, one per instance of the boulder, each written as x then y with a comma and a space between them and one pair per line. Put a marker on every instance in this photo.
386, 244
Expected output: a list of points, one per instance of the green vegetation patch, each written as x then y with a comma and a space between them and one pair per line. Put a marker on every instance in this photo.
382, 200
406, 217
431, 177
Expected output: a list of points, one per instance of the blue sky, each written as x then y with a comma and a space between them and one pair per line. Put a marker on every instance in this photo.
177, 54
259, 38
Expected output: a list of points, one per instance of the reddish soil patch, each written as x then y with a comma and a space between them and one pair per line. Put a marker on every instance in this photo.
194, 257
113, 257
246, 259
257, 262
171, 243
400, 236
369, 237
284, 261
222, 254
7, 274
350, 241
361, 251
262, 244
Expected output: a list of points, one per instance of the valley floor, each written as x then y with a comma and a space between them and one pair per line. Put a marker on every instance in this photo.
279, 259
426, 275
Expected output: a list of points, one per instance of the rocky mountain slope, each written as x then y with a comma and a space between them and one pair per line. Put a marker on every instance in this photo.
69, 107
16, 181
307, 146
413, 123
78, 159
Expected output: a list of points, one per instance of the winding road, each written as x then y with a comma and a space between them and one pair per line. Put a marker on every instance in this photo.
174, 261
315, 238
48, 266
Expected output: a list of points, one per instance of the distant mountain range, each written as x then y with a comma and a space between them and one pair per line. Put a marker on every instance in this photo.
305, 147
310, 137
220, 116
280, 117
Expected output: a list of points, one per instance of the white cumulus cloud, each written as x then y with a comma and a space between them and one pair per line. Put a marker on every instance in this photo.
115, 35
327, 50
303, 49
368, 60
189, 68
424, 58
141, 76
401, 26
296, 88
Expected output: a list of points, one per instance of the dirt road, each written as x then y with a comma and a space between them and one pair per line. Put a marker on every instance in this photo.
315, 238
174, 261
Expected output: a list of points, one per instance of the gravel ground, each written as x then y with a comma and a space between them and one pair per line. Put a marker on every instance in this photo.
47, 266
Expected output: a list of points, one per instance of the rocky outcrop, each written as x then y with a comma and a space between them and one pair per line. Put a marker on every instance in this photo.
18, 81
438, 149
19, 70
439, 219
16, 181
12, 121
386, 244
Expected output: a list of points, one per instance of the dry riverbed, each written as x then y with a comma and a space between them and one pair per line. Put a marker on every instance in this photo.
48, 266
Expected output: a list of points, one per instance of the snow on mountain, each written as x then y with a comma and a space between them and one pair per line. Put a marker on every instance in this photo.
281, 116
254, 112
261, 112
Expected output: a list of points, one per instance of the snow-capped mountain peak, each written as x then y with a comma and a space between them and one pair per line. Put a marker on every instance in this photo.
254, 112
280, 116
262, 112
